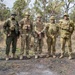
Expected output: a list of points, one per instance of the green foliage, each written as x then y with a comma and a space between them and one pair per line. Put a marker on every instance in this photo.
72, 15
47, 8
68, 4
20, 6
44, 7
4, 12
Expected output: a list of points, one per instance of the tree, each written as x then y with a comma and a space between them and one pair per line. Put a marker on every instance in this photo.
40, 7
20, 6
68, 5
4, 11
1, 0
72, 14
48, 8
54, 7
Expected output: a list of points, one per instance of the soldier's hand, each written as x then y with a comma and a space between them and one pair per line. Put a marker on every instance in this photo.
39, 33
28, 25
8, 34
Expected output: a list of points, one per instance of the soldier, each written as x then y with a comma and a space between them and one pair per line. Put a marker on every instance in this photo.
11, 29
39, 35
66, 30
26, 30
51, 32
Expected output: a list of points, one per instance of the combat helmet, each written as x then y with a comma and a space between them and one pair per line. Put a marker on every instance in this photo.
66, 14
27, 14
39, 15
52, 18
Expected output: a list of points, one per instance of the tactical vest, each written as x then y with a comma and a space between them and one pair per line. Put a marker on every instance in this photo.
39, 26
13, 25
65, 28
27, 27
52, 29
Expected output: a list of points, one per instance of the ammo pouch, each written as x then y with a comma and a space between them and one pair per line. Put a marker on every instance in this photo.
26, 28
65, 29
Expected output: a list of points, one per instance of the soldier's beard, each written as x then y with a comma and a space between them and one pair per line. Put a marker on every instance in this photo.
52, 21
12, 18
39, 20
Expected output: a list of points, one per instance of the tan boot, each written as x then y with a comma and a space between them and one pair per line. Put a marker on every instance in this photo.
21, 57
70, 57
36, 57
54, 56
61, 56
7, 57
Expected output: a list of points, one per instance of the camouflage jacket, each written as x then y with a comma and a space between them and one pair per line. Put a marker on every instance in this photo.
11, 27
51, 29
66, 28
26, 26
39, 27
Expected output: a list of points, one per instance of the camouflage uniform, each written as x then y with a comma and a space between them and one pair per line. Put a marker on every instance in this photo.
38, 38
11, 29
51, 33
66, 30
26, 30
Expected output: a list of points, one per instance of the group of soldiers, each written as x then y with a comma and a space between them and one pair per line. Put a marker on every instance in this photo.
39, 30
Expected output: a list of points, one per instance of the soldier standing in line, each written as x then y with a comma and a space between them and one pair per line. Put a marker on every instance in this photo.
39, 29
51, 32
66, 29
26, 31
11, 29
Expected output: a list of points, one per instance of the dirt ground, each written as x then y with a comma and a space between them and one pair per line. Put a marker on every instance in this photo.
41, 66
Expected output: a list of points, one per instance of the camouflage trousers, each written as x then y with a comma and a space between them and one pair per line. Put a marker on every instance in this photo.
11, 40
38, 43
25, 43
63, 42
51, 42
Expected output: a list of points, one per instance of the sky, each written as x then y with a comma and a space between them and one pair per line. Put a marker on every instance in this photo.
9, 3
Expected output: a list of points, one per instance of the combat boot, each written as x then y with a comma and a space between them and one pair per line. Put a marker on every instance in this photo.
70, 57
36, 56
61, 56
54, 56
21, 57
7, 57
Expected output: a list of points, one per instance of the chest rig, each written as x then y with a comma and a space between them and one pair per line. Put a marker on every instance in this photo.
13, 25
65, 25
39, 26
27, 26
52, 29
